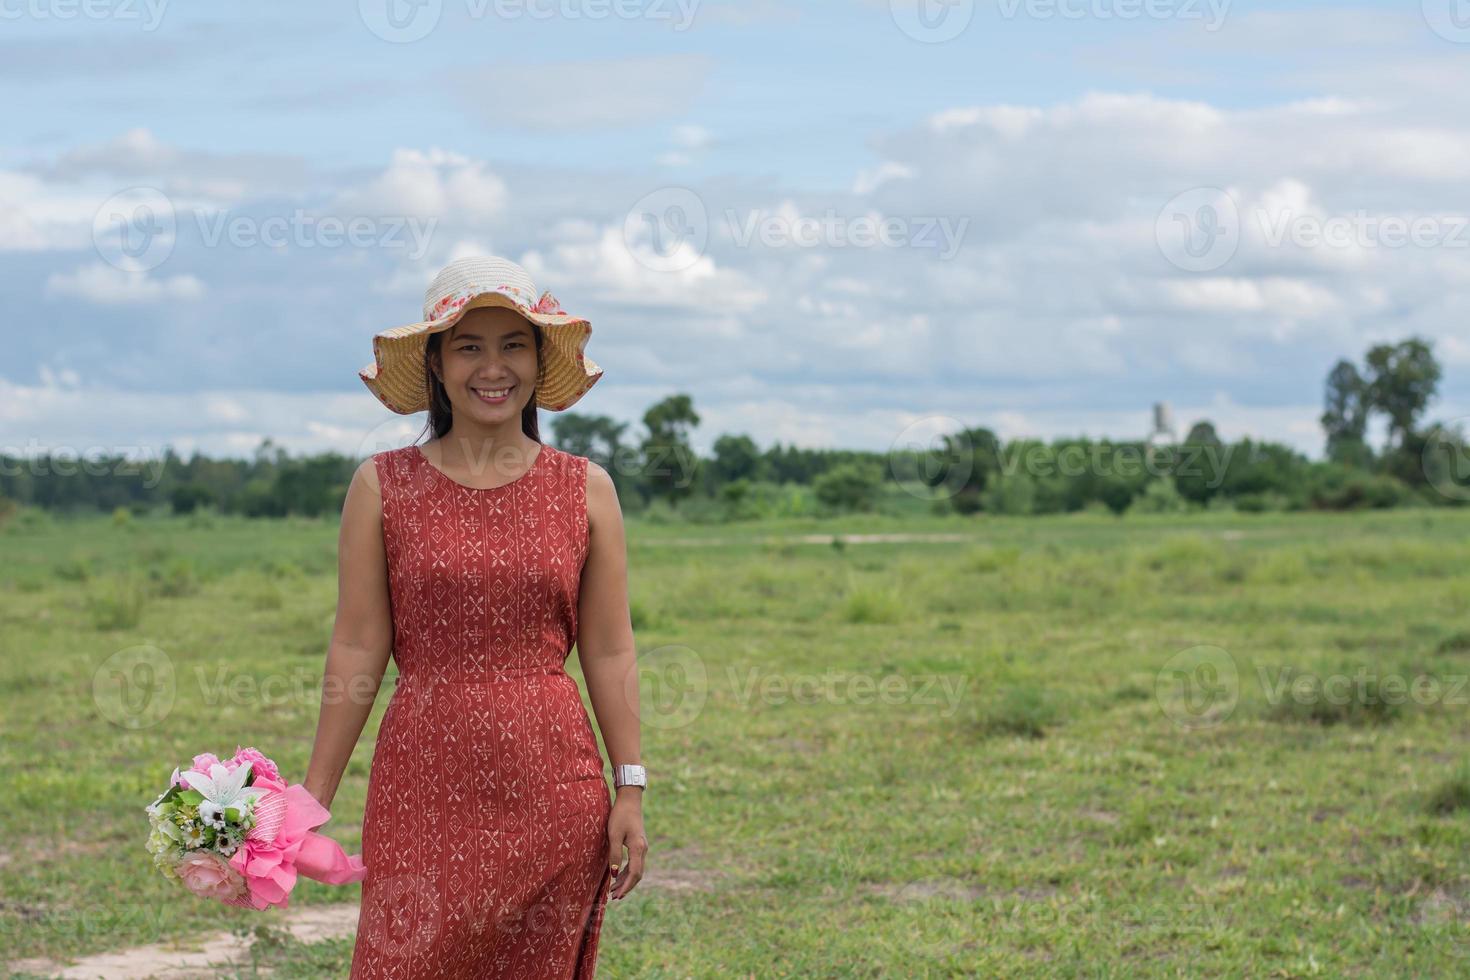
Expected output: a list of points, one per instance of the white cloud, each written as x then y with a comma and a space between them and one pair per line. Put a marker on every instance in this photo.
430, 183
36, 216
869, 180
618, 272
107, 285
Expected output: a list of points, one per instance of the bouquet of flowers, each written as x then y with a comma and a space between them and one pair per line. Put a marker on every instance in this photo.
234, 831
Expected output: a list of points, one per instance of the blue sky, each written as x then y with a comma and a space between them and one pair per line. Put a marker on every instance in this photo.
1030, 171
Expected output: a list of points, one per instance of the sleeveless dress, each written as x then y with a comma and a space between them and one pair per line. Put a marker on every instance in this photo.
485, 829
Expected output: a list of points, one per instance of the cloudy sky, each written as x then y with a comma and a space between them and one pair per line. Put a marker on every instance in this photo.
833, 224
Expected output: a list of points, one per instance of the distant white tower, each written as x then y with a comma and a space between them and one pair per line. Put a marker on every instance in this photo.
1163, 424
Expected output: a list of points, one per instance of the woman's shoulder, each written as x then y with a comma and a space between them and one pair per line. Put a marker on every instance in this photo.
564, 461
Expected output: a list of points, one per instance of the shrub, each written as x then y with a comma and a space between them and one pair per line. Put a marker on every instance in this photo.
871, 605
1453, 793
1160, 496
117, 603
1024, 710
848, 486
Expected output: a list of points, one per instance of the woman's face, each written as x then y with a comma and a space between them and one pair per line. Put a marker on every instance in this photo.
488, 364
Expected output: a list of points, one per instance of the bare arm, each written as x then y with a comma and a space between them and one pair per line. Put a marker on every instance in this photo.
609, 663
362, 637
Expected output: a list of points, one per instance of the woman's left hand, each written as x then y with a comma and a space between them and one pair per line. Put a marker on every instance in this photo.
625, 830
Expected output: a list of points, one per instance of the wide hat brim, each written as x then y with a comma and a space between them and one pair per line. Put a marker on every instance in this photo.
398, 380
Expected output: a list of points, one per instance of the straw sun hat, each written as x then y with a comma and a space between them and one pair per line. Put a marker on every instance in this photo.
397, 375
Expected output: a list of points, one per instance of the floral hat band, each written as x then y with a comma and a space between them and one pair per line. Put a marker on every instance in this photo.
397, 378
546, 304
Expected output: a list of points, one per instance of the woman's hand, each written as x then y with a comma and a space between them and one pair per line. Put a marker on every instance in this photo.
625, 830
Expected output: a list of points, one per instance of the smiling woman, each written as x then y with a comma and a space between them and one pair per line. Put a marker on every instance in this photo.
490, 843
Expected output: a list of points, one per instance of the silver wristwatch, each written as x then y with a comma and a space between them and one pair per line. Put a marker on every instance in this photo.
629, 775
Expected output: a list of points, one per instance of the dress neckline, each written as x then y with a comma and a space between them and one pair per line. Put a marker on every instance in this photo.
535, 464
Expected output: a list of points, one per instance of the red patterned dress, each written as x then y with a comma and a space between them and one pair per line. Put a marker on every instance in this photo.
485, 831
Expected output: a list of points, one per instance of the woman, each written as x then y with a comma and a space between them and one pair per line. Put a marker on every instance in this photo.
478, 558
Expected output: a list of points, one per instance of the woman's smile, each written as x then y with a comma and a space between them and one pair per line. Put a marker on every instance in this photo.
493, 396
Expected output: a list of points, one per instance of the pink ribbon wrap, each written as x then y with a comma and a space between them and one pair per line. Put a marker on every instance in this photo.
283, 843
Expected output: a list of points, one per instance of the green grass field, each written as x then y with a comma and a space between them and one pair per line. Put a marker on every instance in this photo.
1215, 745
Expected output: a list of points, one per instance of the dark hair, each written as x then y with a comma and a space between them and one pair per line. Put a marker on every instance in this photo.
441, 413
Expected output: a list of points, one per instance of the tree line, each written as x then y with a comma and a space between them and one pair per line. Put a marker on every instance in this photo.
660, 476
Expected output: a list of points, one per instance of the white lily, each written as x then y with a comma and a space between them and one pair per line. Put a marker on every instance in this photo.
221, 790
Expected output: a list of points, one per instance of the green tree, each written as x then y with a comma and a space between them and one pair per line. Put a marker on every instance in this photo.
736, 458
849, 486
1402, 379
598, 437
670, 466
1345, 415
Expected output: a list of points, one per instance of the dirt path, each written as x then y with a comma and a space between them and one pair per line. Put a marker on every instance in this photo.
308, 923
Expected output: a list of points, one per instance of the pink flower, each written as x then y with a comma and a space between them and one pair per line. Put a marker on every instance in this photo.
262, 768
209, 875
201, 763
